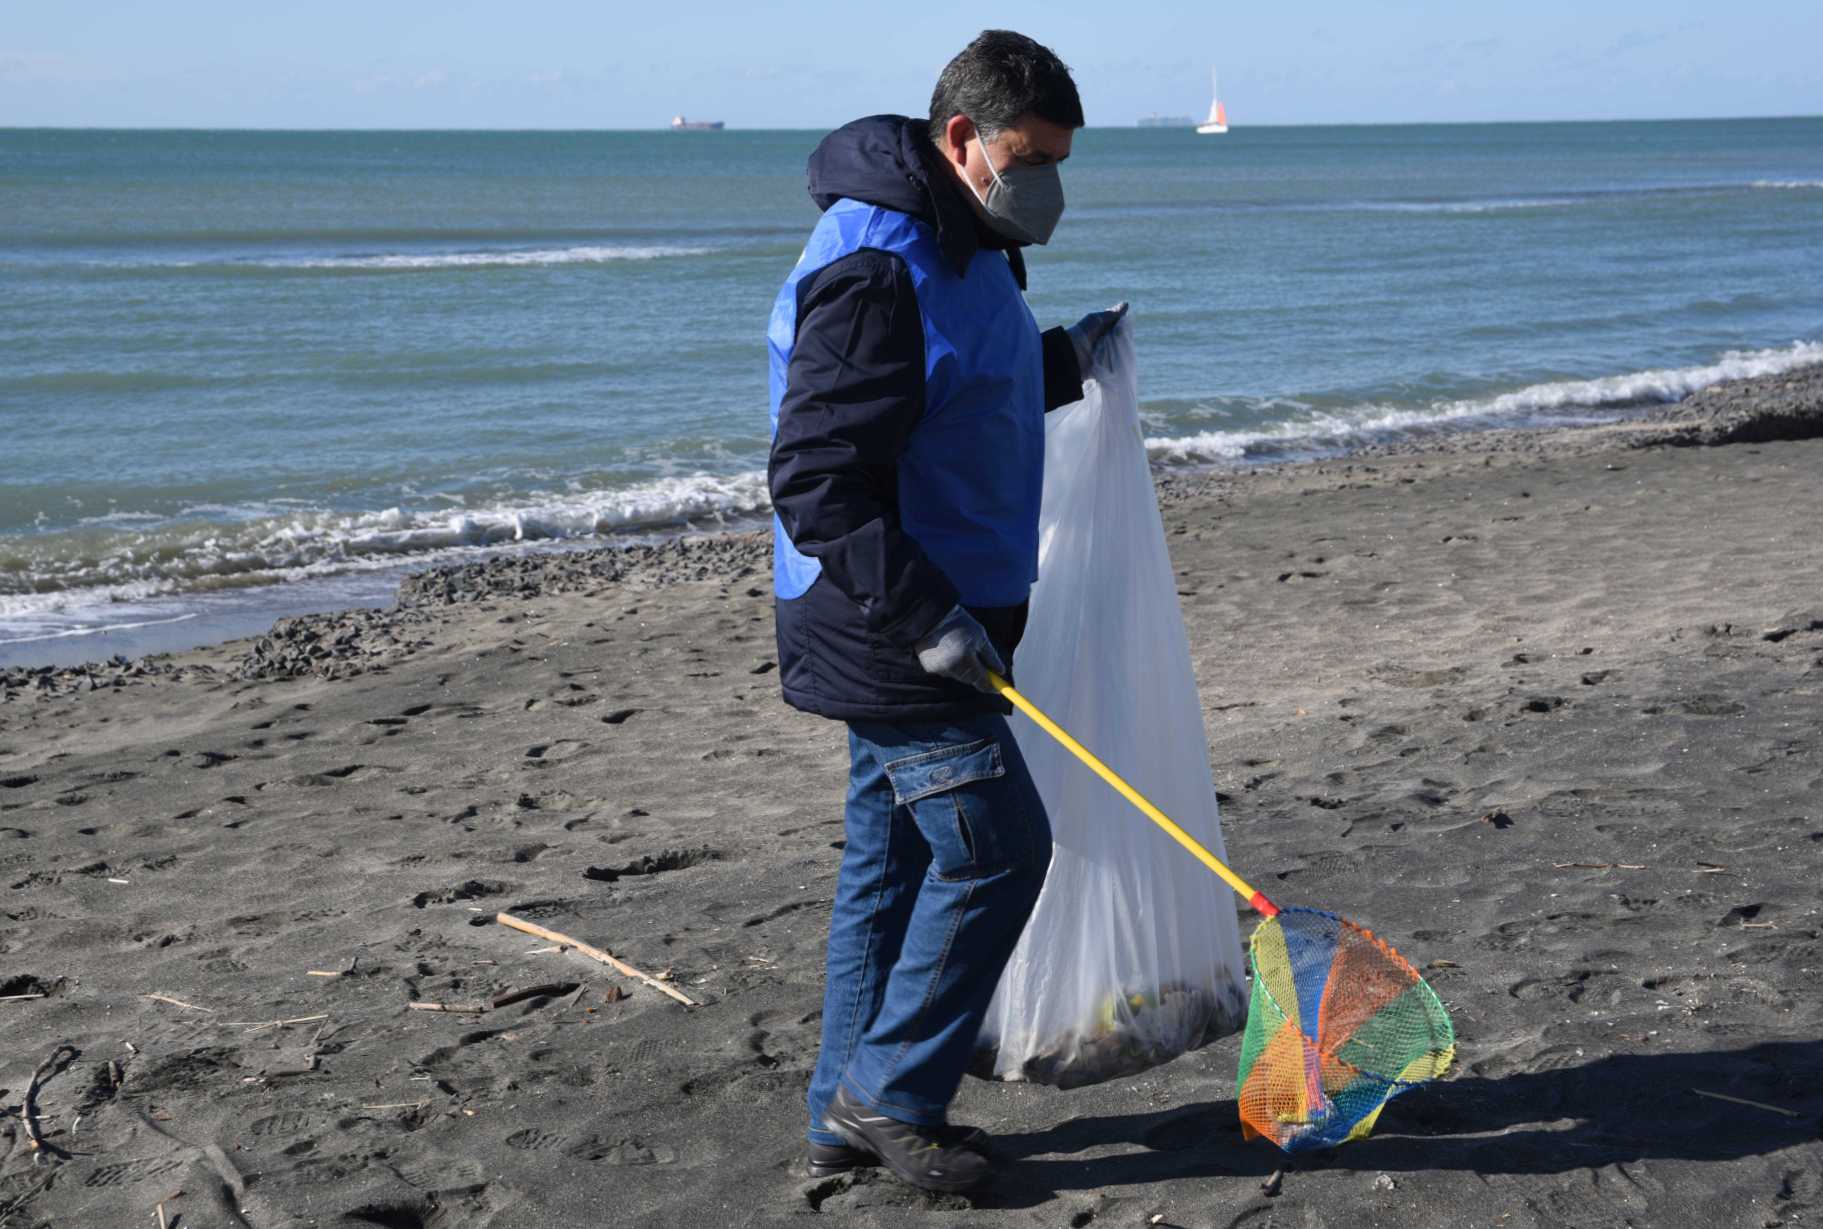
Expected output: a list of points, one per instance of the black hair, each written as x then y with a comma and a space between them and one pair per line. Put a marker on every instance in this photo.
1000, 77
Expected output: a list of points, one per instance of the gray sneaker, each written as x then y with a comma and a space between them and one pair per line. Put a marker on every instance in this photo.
930, 1158
828, 1160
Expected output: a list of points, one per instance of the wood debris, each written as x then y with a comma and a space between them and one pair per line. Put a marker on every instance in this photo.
33, 1139
1758, 1105
594, 953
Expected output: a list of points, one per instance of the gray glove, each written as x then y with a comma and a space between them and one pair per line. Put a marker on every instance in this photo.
1087, 333
958, 648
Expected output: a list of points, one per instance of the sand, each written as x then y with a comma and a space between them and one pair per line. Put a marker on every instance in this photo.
1540, 707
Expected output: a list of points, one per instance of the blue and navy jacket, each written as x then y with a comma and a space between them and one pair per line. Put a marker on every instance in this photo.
909, 387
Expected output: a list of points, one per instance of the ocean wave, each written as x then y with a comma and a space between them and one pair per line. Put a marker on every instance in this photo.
1593, 196
53, 571
591, 254
1320, 431
396, 262
1493, 205
34, 633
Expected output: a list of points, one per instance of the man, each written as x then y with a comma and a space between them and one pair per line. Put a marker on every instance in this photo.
909, 387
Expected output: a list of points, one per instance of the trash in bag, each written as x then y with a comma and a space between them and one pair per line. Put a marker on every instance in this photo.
1133, 954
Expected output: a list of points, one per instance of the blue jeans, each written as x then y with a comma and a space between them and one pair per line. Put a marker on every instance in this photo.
947, 847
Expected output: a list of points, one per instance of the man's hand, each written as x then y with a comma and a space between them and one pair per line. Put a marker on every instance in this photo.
959, 648
1087, 333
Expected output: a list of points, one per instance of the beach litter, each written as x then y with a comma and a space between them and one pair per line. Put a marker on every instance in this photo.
1129, 1031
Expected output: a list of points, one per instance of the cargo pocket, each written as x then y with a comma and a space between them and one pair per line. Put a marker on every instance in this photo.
969, 814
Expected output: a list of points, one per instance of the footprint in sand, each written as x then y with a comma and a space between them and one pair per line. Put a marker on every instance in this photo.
654, 864
126, 1173
474, 889
551, 753
442, 1175
278, 1126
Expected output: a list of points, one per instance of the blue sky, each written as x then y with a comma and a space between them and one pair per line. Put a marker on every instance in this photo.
814, 64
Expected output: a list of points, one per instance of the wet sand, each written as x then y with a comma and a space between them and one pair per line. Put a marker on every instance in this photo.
1539, 707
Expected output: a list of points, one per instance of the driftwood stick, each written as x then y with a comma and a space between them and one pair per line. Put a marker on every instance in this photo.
594, 953
466, 1009
33, 1140
14, 998
271, 1023
1758, 1105
165, 998
549, 989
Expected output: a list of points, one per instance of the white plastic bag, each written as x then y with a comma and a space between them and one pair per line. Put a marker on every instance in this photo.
1133, 954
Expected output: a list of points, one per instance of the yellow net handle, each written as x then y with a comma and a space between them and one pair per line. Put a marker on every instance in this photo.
1246, 890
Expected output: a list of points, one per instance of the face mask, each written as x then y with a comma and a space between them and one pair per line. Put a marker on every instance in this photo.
1024, 202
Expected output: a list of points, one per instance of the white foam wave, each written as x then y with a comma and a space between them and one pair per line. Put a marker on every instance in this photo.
1500, 204
96, 629
306, 545
585, 255
1316, 430
1484, 206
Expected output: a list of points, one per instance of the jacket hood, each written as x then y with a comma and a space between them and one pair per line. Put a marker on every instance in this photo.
888, 161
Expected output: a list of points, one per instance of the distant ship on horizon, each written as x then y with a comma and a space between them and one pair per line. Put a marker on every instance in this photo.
1166, 121
680, 124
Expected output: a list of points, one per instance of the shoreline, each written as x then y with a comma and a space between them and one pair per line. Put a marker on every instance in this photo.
1541, 711
1776, 403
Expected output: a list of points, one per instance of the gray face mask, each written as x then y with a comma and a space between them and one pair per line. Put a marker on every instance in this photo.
1024, 202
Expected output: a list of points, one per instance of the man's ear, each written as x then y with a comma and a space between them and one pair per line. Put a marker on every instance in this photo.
957, 133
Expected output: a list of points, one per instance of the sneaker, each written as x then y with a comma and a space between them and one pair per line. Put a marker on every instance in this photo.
927, 1157
828, 1160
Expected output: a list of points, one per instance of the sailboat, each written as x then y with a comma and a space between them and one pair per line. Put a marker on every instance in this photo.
1217, 123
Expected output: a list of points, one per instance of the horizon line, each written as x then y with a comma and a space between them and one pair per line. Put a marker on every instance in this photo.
1132, 125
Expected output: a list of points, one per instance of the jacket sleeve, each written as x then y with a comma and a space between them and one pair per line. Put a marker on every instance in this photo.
1062, 380
854, 388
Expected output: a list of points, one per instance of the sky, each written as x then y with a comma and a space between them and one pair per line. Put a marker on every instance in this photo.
818, 63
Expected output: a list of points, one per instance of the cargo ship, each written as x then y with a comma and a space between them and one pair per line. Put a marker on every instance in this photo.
680, 124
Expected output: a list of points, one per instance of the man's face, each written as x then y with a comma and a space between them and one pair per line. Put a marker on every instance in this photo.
1031, 141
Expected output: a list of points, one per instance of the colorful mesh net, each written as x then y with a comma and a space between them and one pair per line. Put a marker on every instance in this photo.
1339, 1025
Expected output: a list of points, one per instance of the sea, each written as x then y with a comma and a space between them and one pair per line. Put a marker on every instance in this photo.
250, 373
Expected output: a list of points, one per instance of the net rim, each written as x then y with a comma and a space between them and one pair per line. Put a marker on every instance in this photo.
1260, 988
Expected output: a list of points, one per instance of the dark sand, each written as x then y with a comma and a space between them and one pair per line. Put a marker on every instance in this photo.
1542, 708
